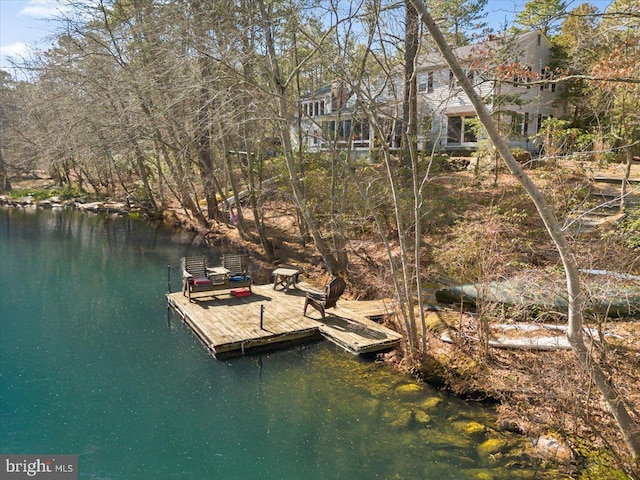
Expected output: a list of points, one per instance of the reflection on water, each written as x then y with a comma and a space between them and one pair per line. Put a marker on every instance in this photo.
91, 365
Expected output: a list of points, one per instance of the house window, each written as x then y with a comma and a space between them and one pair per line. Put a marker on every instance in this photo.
546, 76
541, 119
453, 82
329, 129
360, 133
321, 107
454, 130
422, 84
459, 131
360, 130
344, 130
519, 124
468, 134
515, 124
523, 77
425, 83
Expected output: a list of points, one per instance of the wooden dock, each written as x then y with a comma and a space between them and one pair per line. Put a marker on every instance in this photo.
232, 326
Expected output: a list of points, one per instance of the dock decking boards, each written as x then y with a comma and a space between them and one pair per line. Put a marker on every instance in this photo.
229, 325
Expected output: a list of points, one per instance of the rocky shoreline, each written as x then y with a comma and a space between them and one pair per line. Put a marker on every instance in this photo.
56, 202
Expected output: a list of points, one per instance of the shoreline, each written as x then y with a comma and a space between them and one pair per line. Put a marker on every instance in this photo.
436, 371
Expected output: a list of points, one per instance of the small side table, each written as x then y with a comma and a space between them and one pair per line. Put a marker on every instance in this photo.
285, 278
218, 275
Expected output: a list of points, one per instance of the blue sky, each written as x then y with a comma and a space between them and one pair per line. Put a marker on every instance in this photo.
23, 22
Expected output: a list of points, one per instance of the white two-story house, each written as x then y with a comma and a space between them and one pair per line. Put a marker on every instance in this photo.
507, 73
328, 118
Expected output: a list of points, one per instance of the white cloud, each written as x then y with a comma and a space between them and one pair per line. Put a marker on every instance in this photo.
18, 49
14, 52
40, 8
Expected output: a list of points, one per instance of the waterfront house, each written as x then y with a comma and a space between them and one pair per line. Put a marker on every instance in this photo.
508, 73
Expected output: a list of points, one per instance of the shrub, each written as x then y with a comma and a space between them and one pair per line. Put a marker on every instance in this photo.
521, 155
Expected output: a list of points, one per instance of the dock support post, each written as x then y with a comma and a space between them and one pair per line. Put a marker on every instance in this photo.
169, 278
261, 316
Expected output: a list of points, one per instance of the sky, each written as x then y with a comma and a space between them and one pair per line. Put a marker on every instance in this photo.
23, 23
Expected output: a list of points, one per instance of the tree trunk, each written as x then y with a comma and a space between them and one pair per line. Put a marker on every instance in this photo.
410, 99
5, 185
236, 198
254, 158
202, 134
575, 295
625, 179
279, 89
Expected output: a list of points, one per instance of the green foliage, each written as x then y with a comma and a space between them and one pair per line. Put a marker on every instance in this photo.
66, 193
558, 138
631, 229
485, 150
577, 35
444, 208
138, 190
476, 125
541, 15
521, 155
598, 465
627, 232
36, 194
511, 215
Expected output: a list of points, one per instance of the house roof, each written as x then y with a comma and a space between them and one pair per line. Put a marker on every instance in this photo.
325, 89
467, 52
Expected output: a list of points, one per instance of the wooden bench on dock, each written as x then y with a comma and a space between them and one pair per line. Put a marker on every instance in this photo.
238, 274
199, 276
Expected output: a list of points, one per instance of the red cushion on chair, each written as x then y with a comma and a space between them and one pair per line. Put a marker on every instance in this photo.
201, 281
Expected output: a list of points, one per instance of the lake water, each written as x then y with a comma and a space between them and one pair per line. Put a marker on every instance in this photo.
92, 364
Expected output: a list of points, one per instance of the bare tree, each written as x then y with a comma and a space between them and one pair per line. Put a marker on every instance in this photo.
575, 295
410, 100
278, 85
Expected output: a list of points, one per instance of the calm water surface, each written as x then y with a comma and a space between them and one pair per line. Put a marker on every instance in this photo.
91, 364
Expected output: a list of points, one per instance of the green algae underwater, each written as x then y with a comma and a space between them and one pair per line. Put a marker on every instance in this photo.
93, 364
